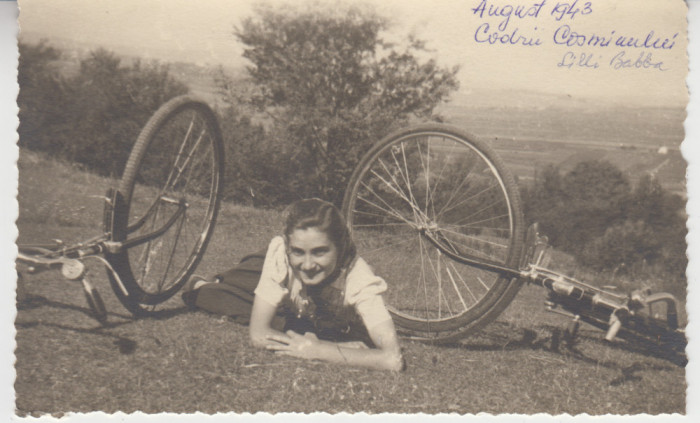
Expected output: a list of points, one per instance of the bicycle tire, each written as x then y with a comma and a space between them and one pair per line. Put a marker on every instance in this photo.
439, 179
184, 133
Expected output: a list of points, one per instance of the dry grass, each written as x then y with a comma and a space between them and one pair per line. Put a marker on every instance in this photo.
193, 361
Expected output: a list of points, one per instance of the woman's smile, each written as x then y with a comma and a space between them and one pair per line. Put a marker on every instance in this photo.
312, 255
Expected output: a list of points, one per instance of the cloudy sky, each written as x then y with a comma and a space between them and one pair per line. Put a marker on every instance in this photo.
201, 31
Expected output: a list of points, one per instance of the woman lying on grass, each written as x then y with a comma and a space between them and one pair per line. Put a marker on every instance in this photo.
312, 296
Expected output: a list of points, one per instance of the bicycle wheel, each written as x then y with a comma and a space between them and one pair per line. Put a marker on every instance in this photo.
439, 181
172, 183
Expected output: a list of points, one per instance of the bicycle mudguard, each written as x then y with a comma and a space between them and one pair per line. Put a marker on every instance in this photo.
115, 209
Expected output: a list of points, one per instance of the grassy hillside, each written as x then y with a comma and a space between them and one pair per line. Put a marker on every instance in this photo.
192, 361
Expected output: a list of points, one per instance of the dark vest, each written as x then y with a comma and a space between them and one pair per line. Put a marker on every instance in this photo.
325, 314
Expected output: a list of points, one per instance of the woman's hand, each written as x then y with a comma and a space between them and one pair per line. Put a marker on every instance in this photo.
294, 344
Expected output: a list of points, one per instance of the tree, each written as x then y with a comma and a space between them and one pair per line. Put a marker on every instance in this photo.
544, 202
595, 195
110, 103
580, 205
41, 97
595, 214
331, 86
94, 116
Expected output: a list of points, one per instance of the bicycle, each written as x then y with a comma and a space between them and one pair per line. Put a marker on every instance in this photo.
159, 219
440, 215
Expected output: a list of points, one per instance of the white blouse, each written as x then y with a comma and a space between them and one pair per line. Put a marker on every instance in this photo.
363, 288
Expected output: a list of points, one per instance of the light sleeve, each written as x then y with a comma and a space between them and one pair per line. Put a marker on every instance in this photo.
271, 287
363, 290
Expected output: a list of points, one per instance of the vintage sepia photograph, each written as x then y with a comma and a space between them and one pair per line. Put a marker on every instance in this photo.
352, 206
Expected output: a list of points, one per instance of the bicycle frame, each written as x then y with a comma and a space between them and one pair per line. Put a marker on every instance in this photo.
609, 311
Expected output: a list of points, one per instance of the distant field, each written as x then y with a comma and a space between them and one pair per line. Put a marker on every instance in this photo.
630, 138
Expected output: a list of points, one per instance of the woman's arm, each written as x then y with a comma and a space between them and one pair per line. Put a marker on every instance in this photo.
269, 293
386, 355
260, 328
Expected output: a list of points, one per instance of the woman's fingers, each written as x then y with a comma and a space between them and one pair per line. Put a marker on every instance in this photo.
311, 335
293, 335
277, 347
282, 339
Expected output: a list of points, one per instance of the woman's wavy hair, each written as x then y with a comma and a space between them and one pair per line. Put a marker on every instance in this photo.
317, 213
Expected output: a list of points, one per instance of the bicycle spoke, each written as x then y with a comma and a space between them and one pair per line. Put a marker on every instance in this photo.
406, 177
482, 283
466, 286
473, 250
470, 198
169, 263
390, 210
425, 255
386, 246
395, 189
430, 192
381, 225
181, 168
492, 205
179, 153
383, 216
453, 194
481, 240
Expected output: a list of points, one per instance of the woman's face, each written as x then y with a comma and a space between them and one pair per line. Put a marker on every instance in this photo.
312, 255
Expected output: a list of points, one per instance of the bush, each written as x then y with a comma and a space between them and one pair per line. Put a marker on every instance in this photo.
595, 214
94, 117
623, 244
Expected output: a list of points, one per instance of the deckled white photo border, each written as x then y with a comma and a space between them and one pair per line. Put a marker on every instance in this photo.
8, 233
8, 201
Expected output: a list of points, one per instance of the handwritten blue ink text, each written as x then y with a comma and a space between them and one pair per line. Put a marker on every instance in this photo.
507, 11
564, 35
484, 34
581, 60
570, 10
643, 61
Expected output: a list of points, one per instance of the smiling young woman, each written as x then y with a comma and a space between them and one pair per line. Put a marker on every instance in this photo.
309, 295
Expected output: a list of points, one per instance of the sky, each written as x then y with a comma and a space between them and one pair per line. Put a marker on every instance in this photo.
202, 32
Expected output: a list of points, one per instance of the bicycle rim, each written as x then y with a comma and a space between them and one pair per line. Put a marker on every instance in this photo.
436, 180
175, 167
